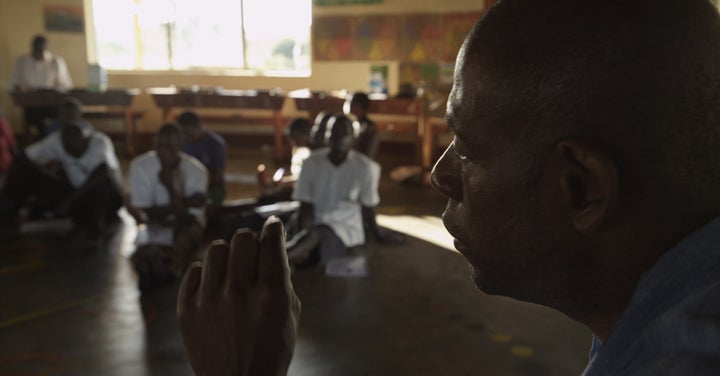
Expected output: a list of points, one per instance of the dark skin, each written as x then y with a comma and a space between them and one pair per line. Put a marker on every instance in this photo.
37, 51
167, 147
245, 285
501, 216
561, 217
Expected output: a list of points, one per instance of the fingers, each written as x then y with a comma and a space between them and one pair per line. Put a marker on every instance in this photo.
242, 268
273, 265
215, 266
189, 288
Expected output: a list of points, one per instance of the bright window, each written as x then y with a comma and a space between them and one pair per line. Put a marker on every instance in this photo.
270, 37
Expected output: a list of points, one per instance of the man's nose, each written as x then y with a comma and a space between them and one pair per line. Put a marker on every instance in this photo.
446, 176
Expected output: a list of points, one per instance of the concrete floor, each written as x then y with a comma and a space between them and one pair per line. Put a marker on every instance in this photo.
65, 311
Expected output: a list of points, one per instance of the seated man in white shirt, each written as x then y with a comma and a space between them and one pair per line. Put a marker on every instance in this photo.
168, 191
40, 70
338, 189
89, 192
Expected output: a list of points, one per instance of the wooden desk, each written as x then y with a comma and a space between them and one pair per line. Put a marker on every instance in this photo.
110, 103
169, 99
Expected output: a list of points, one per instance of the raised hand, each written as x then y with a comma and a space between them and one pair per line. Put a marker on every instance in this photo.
238, 312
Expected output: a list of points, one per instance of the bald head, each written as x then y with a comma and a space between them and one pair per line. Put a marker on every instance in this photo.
641, 77
586, 145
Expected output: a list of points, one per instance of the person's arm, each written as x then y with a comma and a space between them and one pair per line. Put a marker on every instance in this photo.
141, 203
369, 199
373, 142
178, 205
238, 312
64, 82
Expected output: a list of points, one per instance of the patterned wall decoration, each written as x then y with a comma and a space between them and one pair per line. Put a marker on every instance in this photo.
413, 37
375, 38
455, 28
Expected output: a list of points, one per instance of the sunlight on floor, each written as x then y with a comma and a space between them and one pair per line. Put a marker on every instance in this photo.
427, 228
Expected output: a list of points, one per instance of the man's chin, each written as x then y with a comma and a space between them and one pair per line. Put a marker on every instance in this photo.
488, 284
478, 280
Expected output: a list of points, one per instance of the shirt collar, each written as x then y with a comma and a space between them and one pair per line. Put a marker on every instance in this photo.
687, 267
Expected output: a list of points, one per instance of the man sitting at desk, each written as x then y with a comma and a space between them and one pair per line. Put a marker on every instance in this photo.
167, 199
209, 148
89, 190
40, 70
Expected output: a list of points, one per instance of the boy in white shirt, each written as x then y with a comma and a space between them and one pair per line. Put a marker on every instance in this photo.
338, 191
168, 191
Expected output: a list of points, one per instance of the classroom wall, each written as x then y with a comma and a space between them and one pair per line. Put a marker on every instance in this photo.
21, 19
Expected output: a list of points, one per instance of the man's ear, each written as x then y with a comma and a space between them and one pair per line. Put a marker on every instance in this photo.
589, 182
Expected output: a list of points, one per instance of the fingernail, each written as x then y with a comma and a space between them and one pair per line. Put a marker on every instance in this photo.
217, 242
244, 232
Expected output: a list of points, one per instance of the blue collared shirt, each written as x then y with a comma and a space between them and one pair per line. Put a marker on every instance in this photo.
672, 324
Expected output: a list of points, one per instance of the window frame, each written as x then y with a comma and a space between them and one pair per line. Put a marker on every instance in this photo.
93, 58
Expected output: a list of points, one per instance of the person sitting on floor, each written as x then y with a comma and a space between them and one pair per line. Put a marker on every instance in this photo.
368, 138
69, 111
168, 194
210, 149
279, 187
89, 190
337, 188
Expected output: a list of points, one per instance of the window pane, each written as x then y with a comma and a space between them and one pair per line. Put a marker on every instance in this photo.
208, 34
114, 33
154, 16
192, 34
278, 40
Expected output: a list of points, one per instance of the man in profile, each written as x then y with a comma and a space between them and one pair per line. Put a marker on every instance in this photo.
583, 176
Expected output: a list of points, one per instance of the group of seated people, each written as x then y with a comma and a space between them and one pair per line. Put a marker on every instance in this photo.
74, 172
